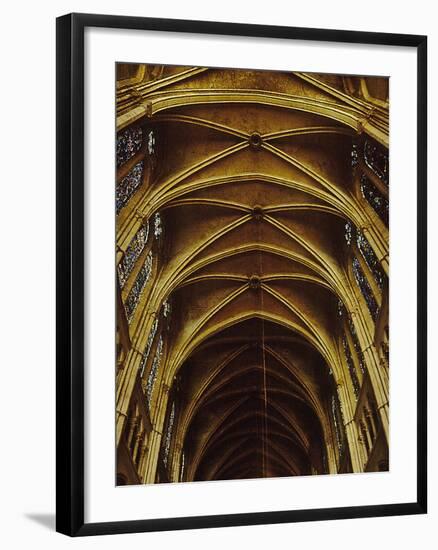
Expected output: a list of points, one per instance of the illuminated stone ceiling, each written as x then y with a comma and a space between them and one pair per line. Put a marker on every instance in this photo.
253, 176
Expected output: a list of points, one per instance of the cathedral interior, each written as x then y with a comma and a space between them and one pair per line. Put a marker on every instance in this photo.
252, 261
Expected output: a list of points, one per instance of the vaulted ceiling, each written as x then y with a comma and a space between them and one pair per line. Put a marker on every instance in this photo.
252, 176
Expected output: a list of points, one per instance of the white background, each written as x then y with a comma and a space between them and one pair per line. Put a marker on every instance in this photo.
27, 228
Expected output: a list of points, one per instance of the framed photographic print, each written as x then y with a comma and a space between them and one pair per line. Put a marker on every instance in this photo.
241, 267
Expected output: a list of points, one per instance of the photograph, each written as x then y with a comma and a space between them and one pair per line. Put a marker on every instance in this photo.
251, 274
217, 276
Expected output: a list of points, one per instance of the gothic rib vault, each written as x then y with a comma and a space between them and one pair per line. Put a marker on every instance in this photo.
252, 254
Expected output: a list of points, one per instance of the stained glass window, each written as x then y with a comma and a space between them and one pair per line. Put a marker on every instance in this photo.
128, 143
350, 365
150, 384
356, 344
342, 313
378, 202
158, 225
166, 309
151, 142
353, 234
341, 308
138, 287
370, 258
365, 289
338, 423
339, 406
135, 248
354, 156
376, 158
128, 186
148, 347
349, 230
168, 438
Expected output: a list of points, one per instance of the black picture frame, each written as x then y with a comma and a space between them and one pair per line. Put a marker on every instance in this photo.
70, 273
